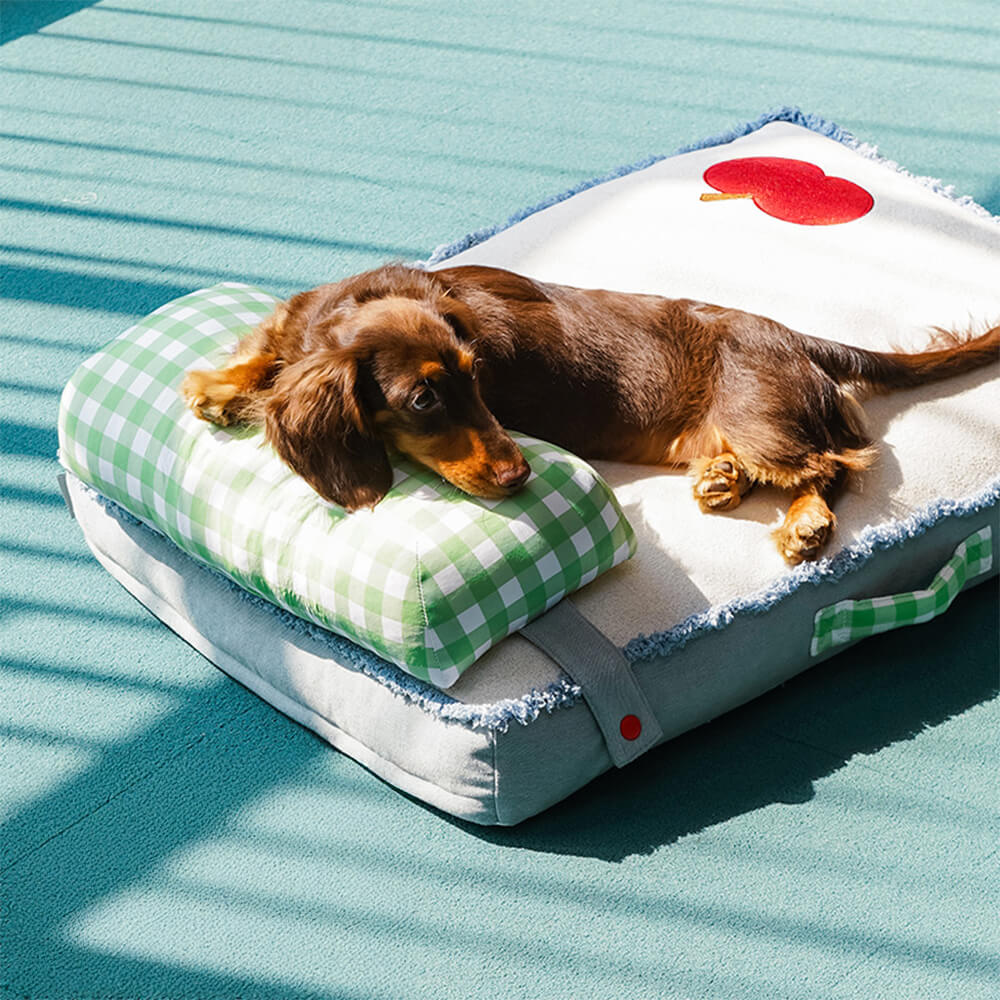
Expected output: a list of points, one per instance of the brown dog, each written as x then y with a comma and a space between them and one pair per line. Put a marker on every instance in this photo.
435, 364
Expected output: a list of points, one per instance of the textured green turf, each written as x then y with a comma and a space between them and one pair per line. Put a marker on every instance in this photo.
169, 836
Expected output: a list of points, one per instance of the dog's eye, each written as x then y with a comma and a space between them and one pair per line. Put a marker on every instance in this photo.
426, 399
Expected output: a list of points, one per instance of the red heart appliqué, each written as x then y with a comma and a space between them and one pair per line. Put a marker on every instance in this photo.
790, 190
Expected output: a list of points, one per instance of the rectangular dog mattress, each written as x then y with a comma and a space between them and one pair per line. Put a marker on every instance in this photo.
790, 218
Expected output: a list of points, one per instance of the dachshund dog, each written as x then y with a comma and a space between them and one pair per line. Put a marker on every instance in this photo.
435, 364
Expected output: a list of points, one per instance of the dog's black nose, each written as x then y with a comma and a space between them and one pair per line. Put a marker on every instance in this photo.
513, 477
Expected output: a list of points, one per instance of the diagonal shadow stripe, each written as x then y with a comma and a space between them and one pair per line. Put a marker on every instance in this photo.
383, 249
99, 843
27, 440
25, 17
129, 296
575, 59
21, 494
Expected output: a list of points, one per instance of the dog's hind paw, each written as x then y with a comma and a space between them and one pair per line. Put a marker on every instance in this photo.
806, 529
720, 483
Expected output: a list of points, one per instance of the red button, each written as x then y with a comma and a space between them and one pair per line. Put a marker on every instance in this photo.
631, 727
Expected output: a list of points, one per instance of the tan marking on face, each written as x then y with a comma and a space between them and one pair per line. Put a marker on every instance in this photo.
428, 369
459, 455
466, 361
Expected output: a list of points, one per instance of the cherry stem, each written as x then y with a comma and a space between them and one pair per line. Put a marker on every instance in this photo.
724, 195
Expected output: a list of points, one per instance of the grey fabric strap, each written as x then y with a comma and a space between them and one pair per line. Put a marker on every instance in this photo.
605, 676
61, 478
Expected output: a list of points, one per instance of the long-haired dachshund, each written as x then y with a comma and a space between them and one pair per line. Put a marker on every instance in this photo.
436, 364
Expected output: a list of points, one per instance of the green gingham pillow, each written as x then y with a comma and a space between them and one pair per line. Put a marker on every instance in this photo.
429, 579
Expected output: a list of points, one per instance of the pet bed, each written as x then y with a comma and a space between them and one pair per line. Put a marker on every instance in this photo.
789, 217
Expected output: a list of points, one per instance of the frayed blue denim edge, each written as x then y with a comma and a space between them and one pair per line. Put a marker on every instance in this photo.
564, 693
792, 115
871, 541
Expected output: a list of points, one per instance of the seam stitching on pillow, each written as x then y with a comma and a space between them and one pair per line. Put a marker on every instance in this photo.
429, 652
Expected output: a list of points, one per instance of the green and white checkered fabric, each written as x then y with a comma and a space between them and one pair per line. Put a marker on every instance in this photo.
429, 579
847, 621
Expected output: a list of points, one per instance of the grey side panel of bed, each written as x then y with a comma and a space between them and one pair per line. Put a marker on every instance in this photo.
445, 764
753, 654
500, 777
715, 673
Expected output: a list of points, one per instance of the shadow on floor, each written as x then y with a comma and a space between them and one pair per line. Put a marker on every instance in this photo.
24, 17
130, 834
889, 689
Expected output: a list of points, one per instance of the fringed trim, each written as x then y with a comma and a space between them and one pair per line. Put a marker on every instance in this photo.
564, 693
871, 541
792, 115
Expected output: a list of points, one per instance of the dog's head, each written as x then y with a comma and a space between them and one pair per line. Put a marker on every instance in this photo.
390, 370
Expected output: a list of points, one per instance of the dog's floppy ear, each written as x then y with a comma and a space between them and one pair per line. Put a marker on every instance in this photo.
316, 421
459, 317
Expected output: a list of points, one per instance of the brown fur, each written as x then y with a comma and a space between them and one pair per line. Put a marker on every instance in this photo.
433, 363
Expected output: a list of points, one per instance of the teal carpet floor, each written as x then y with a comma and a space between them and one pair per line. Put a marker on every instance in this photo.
166, 835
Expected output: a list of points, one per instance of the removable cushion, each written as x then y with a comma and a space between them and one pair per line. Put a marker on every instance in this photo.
429, 579
706, 613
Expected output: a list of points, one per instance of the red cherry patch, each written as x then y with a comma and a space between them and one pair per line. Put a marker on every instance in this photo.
790, 190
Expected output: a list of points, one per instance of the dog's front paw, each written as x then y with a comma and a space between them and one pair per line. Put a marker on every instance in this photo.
208, 395
806, 530
720, 484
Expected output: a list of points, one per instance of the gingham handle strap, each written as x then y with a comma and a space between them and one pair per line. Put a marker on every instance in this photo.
609, 687
847, 621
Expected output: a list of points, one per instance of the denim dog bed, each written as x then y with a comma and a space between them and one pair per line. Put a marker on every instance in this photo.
788, 217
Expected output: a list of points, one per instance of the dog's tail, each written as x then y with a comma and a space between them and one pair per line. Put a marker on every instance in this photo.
948, 354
